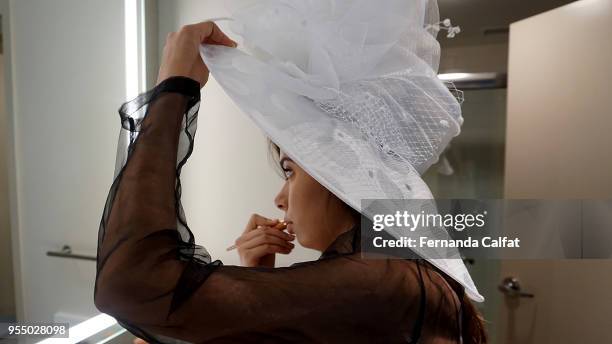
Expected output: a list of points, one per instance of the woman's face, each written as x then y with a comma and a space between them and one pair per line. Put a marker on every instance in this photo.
315, 215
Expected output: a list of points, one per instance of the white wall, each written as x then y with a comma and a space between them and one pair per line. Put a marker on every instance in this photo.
228, 177
68, 73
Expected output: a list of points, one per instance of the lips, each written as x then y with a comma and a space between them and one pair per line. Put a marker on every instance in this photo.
290, 227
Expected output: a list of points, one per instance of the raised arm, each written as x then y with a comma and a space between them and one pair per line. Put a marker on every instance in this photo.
155, 288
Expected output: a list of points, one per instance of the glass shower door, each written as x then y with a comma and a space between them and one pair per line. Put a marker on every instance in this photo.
473, 167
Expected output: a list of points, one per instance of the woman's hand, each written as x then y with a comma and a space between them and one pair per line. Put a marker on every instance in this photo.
181, 55
261, 240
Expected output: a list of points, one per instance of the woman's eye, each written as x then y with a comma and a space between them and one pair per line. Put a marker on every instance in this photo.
287, 170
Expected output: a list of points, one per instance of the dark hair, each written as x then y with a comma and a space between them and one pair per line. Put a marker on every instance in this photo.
473, 329
274, 157
472, 324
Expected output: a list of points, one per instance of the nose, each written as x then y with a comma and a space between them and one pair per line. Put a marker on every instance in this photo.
281, 198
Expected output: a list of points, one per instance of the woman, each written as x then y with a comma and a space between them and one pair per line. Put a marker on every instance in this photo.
155, 281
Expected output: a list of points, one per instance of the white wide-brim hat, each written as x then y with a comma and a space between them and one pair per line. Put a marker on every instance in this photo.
349, 91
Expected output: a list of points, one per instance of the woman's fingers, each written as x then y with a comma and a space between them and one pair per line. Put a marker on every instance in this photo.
253, 256
262, 255
181, 54
267, 236
257, 220
261, 239
264, 230
265, 249
210, 33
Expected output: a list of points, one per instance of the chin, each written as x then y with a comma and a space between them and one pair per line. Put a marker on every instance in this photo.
302, 240
308, 243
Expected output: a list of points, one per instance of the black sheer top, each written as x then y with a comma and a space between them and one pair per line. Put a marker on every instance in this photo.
164, 288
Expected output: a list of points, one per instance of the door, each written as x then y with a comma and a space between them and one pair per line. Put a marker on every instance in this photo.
558, 147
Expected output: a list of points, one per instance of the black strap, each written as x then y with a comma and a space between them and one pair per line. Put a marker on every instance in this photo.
460, 313
416, 331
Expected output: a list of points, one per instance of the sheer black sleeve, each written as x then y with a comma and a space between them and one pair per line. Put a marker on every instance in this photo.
164, 288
